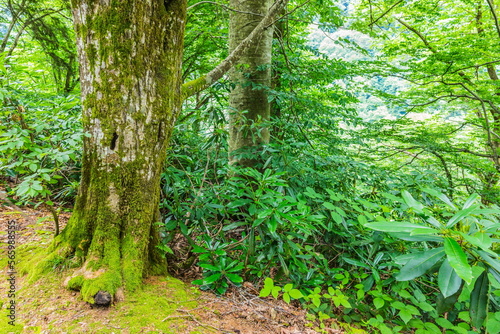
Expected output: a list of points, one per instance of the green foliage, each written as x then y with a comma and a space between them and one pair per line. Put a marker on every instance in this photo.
40, 149
38, 45
288, 291
274, 227
458, 241
219, 269
40, 132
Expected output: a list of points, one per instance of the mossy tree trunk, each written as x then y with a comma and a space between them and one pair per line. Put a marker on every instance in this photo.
249, 108
130, 60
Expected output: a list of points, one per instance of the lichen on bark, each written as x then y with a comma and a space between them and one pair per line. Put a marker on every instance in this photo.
130, 58
249, 109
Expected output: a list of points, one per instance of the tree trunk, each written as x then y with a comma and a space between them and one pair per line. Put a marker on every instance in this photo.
130, 60
249, 107
490, 180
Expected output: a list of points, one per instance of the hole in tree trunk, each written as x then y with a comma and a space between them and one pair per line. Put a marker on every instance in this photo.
160, 134
166, 3
113, 141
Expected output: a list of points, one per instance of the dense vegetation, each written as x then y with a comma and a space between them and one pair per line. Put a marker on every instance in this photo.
376, 198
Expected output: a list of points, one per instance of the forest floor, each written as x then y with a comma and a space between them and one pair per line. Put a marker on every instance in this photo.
164, 305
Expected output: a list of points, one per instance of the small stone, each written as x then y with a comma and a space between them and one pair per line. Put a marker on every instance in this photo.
102, 298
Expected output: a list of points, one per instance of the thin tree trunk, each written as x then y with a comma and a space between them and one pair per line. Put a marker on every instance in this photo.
249, 109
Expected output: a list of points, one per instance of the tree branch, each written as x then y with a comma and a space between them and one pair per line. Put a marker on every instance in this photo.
223, 6
383, 14
476, 66
495, 18
25, 25
419, 34
192, 87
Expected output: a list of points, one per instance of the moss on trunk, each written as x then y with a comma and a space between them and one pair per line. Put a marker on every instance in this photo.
249, 107
130, 58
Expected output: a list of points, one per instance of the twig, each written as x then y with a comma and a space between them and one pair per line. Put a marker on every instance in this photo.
193, 318
381, 16
223, 6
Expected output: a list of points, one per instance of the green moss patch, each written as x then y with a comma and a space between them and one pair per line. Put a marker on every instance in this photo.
156, 308
44, 305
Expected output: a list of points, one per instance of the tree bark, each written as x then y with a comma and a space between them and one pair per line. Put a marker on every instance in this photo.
130, 55
249, 109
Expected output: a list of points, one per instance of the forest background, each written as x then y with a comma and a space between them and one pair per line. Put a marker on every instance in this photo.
372, 186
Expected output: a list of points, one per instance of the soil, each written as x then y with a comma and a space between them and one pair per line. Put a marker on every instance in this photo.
46, 307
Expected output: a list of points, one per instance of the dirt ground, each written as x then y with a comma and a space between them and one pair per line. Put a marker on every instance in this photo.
47, 307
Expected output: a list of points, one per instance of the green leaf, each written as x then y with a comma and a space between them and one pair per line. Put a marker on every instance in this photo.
441, 196
395, 226
445, 323
265, 213
268, 283
272, 225
444, 305
344, 302
405, 315
362, 219
268, 287
412, 237
258, 221
426, 307
212, 278
356, 263
431, 328
312, 193
434, 222
316, 300
198, 249
234, 278
458, 259
459, 216
234, 225
480, 240
404, 293
448, 280
209, 266
411, 202
472, 198
197, 282
275, 291
296, 294
494, 263
420, 263
378, 302
479, 300
338, 218
398, 305
495, 274
286, 298
237, 203
37, 186
264, 292
493, 324
329, 206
